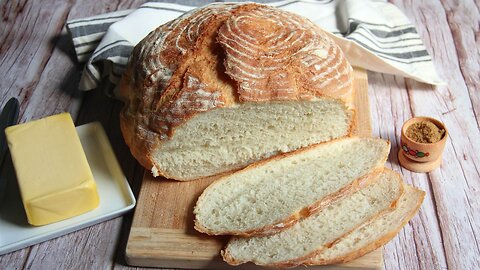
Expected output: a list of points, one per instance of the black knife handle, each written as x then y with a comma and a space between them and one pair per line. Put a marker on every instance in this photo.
8, 117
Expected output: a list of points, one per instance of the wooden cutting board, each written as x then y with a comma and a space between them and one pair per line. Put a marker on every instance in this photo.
162, 233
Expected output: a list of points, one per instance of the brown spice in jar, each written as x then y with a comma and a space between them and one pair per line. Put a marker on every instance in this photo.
425, 132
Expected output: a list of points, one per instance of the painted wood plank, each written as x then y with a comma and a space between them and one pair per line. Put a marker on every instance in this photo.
14, 260
25, 41
76, 250
455, 186
463, 18
419, 244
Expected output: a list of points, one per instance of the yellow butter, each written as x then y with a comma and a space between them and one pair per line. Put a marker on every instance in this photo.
53, 174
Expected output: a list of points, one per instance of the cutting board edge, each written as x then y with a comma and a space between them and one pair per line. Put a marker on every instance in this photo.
140, 256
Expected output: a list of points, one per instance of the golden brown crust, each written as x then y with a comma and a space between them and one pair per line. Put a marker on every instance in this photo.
303, 213
275, 55
378, 242
180, 70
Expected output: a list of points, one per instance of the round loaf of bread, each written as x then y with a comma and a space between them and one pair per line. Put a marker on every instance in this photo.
226, 85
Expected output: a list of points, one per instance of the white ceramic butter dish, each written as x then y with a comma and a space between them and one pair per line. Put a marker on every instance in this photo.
116, 196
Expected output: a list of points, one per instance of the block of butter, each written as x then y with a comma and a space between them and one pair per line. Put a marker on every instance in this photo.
53, 174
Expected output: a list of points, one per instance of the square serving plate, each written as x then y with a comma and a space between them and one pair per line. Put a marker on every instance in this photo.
116, 196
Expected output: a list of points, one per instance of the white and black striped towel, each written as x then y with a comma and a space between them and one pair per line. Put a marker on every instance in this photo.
374, 35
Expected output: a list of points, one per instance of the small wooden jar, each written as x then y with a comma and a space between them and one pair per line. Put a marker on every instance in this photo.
421, 157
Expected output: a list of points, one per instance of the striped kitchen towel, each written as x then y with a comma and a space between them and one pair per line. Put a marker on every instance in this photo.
374, 35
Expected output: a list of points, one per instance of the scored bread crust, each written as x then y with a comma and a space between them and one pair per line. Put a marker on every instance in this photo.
228, 258
191, 65
376, 243
307, 211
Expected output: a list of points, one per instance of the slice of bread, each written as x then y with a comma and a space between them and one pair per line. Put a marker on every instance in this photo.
227, 139
274, 194
311, 235
374, 234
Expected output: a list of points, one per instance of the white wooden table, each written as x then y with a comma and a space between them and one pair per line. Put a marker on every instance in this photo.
37, 65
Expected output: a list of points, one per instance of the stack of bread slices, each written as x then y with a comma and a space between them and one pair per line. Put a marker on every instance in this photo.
264, 97
329, 203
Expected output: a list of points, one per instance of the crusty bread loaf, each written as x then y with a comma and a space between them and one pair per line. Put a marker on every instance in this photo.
268, 197
373, 234
313, 234
227, 85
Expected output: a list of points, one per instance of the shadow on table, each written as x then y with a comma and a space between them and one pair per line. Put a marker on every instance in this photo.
11, 206
70, 82
97, 106
394, 147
